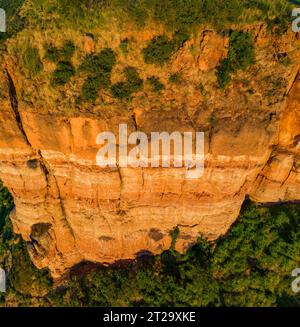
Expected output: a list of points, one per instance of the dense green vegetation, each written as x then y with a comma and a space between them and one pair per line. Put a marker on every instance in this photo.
98, 63
161, 48
63, 73
65, 53
98, 68
62, 56
251, 266
241, 55
124, 90
173, 14
133, 79
254, 262
180, 18
91, 87
188, 13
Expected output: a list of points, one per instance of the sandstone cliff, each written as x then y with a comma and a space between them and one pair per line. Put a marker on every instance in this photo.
70, 210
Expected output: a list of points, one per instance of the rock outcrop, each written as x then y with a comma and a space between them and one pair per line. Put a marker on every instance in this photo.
68, 209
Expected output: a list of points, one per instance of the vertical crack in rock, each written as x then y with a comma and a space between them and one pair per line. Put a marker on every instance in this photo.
189, 118
121, 186
120, 175
15, 105
210, 135
101, 213
294, 81
63, 211
259, 32
289, 174
133, 116
260, 174
134, 122
241, 189
202, 38
71, 135
143, 178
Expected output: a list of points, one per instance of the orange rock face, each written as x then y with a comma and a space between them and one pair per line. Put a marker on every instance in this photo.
279, 180
69, 209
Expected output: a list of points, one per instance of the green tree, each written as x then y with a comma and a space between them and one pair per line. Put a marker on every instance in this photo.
241, 55
63, 73
160, 49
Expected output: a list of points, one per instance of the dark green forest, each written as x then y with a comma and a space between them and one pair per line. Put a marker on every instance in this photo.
250, 266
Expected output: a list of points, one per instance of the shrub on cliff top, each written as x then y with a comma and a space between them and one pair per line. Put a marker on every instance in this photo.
121, 90
91, 87
160, 49
32, 62
241, 55
124, 90
103, 61
63, 73
98, 67
65, 53
133, 79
